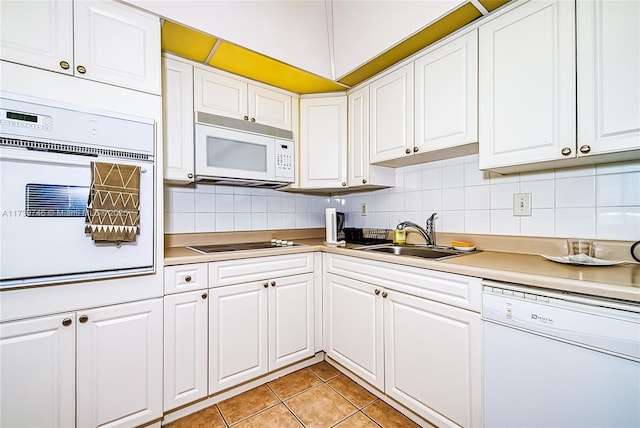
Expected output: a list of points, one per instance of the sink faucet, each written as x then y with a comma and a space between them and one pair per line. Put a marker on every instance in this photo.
428, 232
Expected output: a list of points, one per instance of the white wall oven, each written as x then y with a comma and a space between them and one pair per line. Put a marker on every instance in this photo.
76, 193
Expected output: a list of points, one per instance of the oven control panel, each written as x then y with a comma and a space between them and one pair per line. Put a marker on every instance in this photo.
21, 119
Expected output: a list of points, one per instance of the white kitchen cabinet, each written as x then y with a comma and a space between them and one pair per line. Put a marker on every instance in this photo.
189, 277
105, 41
608, 55
432, 358
185, 348
258, 327
37, 366
413, 333
360, 171
353, 327
391, 115
177, 113
527, 86
90, 368
446, 95
221, 94
119, 364
323, 142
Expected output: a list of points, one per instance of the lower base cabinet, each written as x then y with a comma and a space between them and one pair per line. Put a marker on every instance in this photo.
258, 327
98, 367
423, 353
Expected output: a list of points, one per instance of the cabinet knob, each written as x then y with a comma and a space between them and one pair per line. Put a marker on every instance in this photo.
344, 184
273, 283
407, 151
204, 296
83, 319
384, 294
246, 118
265, 285
566, 151
64, 65
66, 322
585, 149
253, 119
81, 69
189, 175
364, 181
415, 150
187, 278
376, 292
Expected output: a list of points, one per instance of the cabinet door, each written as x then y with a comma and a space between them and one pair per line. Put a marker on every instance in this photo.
391, 115
358, 140
177, 111
353, 327
237, 334
608, 70
432, 358
269, 107
447, 95
119, 364
219, 94
185, 348
323, 142
37, 372
527, 85
291, 320
117, 44
39, 34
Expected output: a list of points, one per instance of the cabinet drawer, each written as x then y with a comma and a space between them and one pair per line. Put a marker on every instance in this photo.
457, 290
255, 269
185, 278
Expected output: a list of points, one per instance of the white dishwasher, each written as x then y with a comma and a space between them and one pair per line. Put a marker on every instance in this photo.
553, 359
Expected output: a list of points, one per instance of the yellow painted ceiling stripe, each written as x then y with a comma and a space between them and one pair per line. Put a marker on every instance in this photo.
186, 42
434, 32
241, 61
491, 5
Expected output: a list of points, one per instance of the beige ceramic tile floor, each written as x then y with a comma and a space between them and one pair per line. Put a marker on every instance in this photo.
317, 396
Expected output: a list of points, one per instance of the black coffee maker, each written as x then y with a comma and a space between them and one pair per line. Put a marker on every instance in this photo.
340, 226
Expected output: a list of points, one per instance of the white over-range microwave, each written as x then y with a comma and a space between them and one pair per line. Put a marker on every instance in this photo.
227, 153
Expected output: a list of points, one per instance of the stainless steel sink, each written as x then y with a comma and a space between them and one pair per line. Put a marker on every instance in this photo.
426, 252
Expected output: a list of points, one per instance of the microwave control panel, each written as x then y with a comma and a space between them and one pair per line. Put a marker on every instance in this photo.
285, 155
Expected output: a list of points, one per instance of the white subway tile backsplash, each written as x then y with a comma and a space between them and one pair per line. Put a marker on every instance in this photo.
453, 199
503, 222
600, 202
618, 223
576, 192
576, 223
477, 197
618, 189
540, 223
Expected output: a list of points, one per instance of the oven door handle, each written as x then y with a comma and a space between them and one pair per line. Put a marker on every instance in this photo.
48, 157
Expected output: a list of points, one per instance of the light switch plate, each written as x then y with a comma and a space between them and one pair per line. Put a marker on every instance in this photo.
363, 208
522, 204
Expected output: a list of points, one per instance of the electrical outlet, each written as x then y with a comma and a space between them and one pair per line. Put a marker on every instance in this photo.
363, 208
522, 204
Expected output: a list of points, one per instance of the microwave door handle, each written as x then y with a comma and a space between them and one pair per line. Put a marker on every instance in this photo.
46, 157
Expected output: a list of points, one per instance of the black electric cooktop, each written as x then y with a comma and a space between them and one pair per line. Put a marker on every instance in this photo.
217, 248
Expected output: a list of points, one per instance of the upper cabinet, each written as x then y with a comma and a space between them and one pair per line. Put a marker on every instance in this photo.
391, 115
177, 111
105, 41
527, 89
224, 95
446, 95
608, 76
323, 142
528, 74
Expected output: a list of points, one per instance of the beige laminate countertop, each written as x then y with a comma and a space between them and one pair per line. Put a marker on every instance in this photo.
617, 282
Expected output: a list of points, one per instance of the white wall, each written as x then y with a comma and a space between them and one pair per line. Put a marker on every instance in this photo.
600, 202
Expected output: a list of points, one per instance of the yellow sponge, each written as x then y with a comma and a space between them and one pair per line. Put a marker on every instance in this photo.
461, 244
